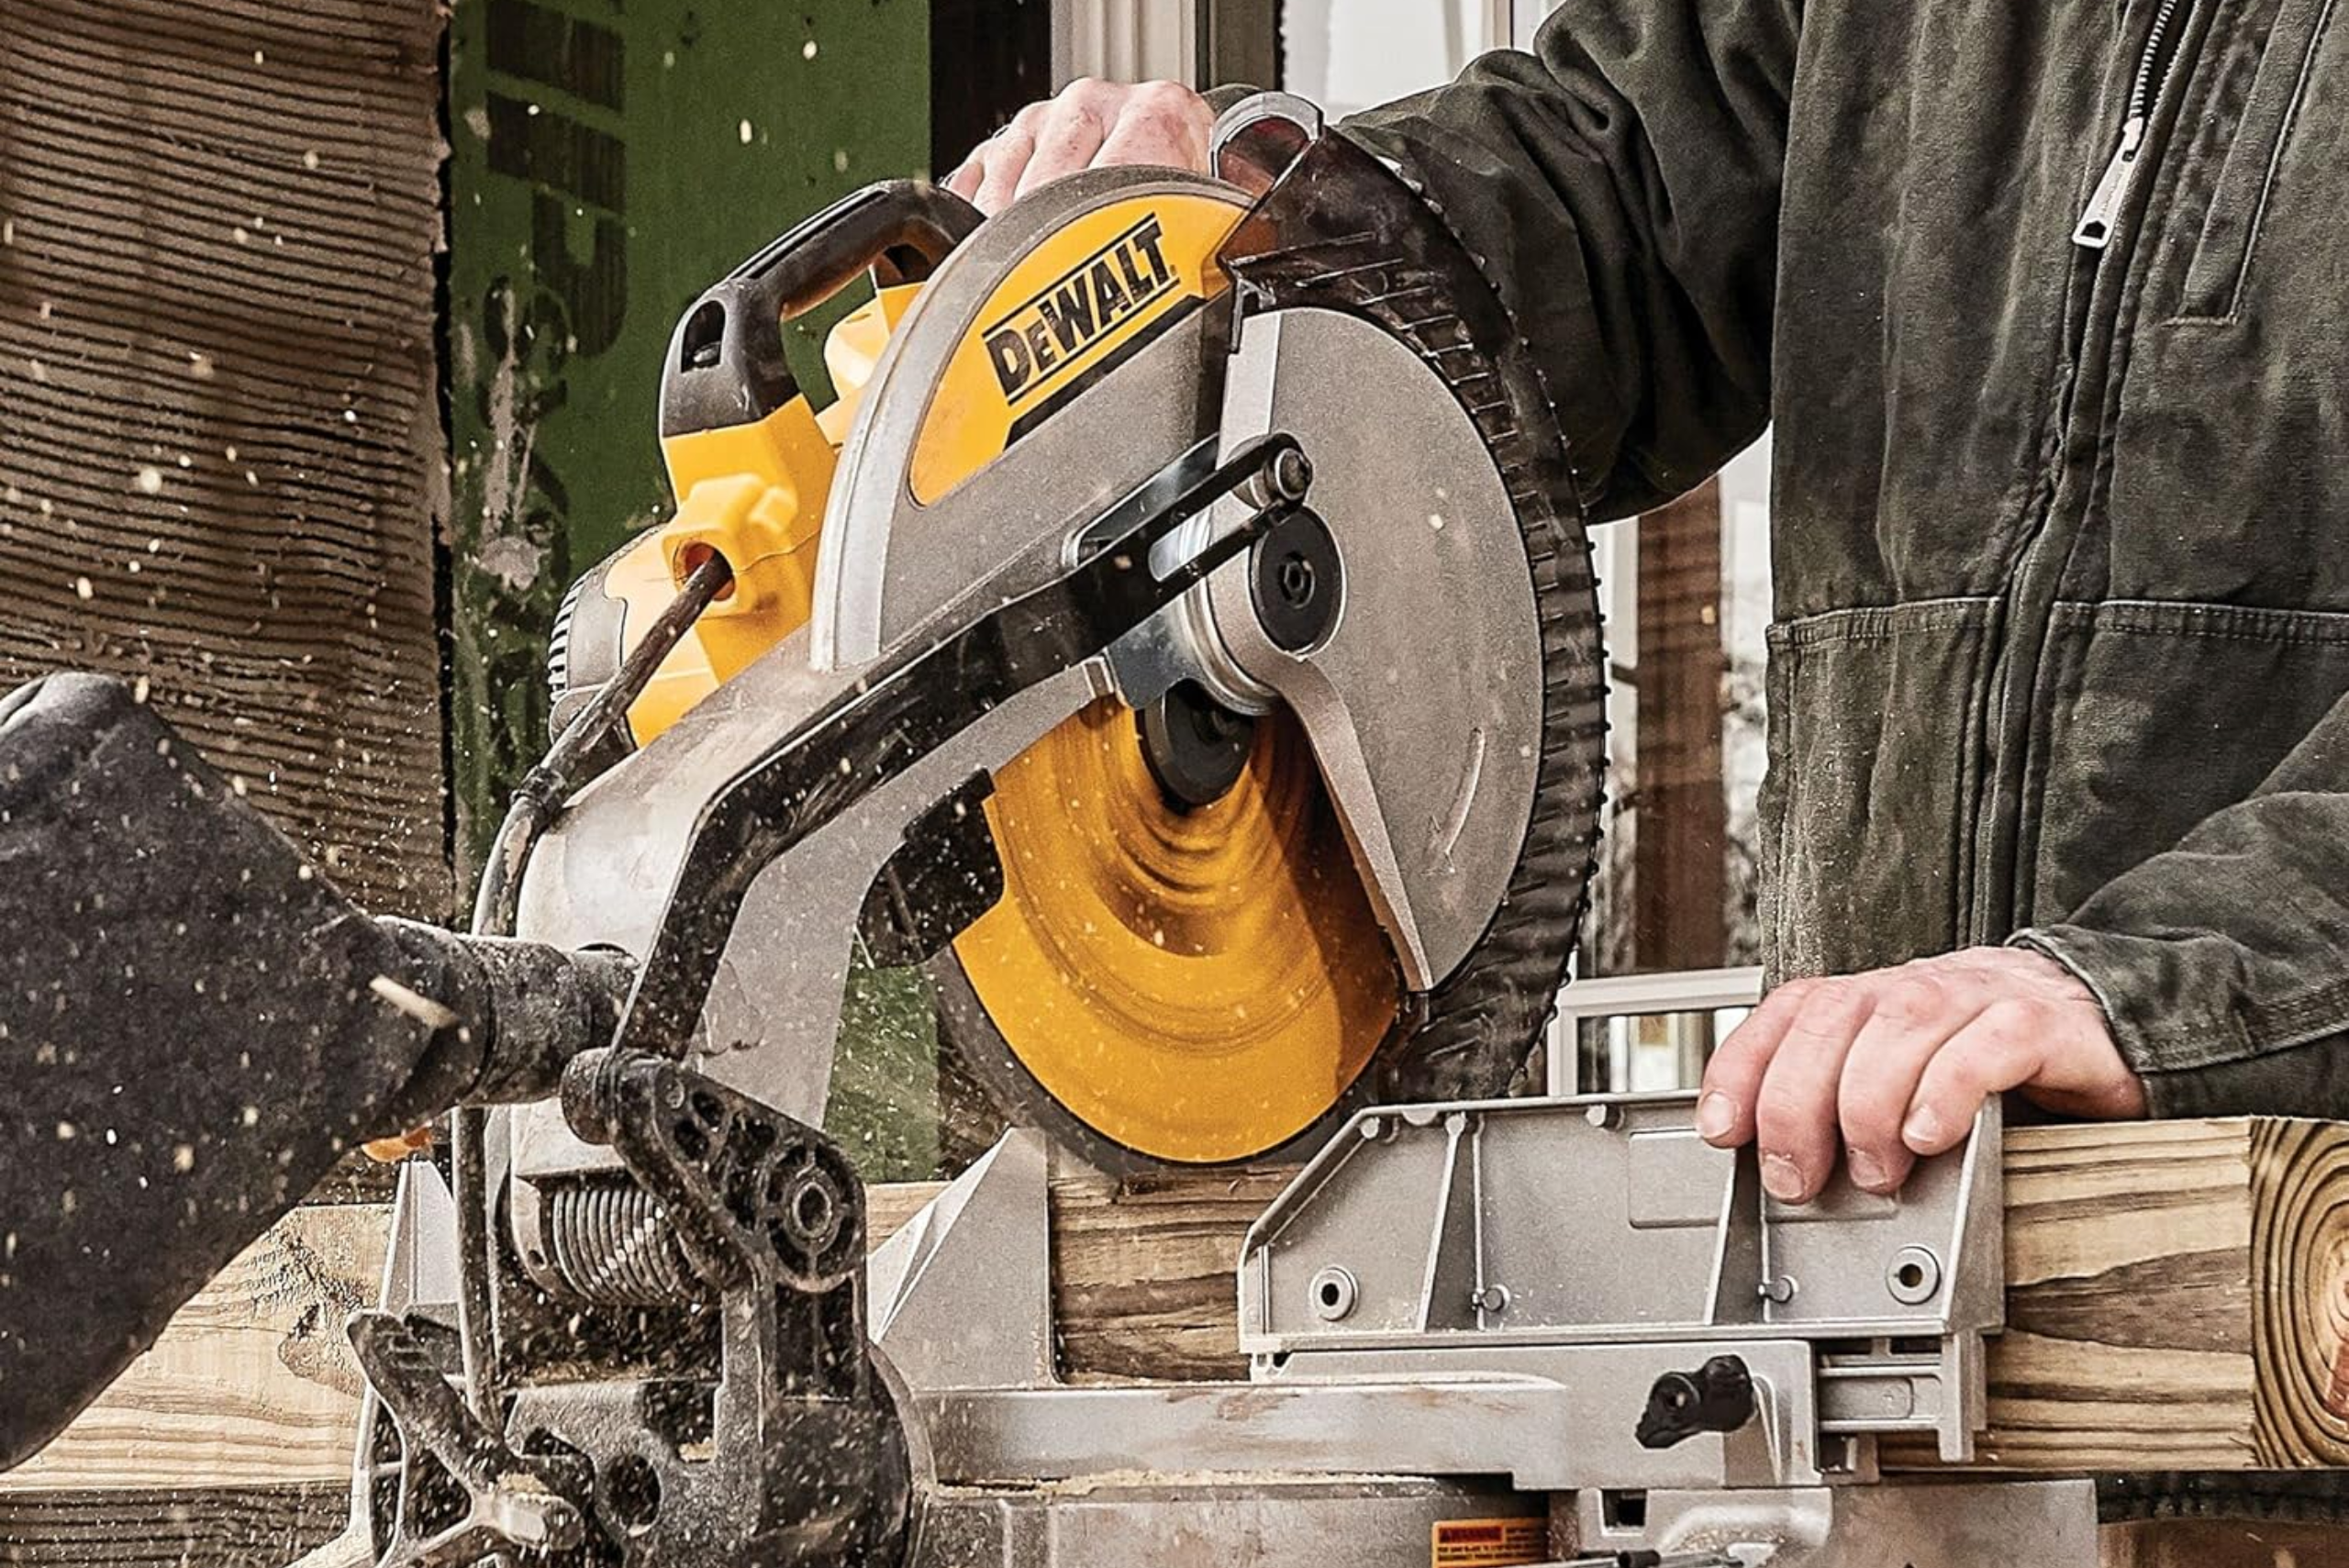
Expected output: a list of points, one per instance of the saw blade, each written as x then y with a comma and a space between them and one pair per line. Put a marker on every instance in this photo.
1175, 984
1193, 983
1204, 954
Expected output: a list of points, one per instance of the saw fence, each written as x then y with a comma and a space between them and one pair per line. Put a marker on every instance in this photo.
2178, 1299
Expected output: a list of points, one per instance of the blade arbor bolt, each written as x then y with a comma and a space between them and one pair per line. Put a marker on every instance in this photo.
1297, 583
1296, 580
1196, 748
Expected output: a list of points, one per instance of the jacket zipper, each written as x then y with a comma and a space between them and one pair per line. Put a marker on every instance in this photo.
2094, 231
2028, 598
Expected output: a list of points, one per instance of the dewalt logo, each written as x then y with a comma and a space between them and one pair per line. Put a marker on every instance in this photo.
1037, 342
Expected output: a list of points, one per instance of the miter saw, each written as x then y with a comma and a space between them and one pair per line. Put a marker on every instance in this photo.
1178, 638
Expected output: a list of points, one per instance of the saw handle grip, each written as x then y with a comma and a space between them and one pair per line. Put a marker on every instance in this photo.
726, 364
907, 226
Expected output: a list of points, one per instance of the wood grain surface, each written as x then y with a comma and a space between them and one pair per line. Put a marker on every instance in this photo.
253, 1385
242, 1526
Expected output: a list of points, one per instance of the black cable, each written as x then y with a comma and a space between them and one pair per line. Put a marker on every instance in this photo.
545, 787
497, 905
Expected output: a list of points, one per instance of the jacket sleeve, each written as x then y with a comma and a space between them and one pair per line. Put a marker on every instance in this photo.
2223, 963
1621, 185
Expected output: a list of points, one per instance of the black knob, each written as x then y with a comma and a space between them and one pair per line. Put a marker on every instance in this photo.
1715, 1398
1299, 583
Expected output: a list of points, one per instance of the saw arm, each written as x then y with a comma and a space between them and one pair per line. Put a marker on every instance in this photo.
895, 715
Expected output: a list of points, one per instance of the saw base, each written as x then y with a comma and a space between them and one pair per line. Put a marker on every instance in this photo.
1386, 1522
1161, 1522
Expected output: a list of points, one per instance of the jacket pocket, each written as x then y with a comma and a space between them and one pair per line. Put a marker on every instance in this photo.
2246, 181
2160, 714
1874, 776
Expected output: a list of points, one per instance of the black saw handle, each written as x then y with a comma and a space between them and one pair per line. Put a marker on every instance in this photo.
726, 362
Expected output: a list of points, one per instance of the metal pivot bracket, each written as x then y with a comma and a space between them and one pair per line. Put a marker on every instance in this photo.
800, 1448
1600, 1243
477, 1498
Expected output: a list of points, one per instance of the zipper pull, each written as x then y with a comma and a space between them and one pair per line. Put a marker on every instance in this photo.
2094, 230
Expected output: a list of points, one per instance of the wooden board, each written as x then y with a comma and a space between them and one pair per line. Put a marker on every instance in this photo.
222, 464
253, 1383
2176, 1302
244, 1527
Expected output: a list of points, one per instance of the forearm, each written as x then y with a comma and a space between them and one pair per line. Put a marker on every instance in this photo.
1622, 185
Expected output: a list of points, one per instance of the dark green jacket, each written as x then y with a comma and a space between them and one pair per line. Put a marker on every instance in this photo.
2063, 605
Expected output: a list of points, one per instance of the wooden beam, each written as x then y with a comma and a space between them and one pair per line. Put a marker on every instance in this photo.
2174, 1298
253, 1385
2176, 1293
2178, 1299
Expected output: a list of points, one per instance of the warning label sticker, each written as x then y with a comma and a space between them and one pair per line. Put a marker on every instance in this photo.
1489, 1543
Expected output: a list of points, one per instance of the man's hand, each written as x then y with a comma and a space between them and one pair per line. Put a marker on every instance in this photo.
1894, 1063
1090, 125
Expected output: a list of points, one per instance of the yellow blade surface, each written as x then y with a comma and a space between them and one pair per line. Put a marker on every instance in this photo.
1196, 986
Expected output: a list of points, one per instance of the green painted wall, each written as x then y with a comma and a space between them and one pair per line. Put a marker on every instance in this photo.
609, 162
610, 159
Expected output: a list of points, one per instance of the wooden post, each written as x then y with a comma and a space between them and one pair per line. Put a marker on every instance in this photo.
1681, 824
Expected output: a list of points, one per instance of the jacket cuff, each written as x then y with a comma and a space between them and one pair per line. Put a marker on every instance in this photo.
2181, 1029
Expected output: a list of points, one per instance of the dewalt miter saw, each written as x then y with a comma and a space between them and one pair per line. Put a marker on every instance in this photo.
1178, 637
1321, 826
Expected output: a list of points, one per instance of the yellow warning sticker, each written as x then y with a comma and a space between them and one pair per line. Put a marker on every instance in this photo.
1489, 1543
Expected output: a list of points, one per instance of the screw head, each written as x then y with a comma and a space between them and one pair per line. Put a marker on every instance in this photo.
1292, 474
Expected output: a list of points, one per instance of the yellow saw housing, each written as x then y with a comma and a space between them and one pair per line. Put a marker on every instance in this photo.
1195, 984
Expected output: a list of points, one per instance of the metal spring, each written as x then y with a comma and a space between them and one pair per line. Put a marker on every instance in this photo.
613, 1245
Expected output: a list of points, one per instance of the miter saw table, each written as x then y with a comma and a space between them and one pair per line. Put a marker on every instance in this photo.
1511, 1331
